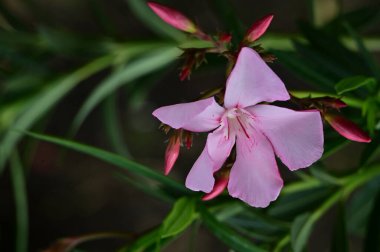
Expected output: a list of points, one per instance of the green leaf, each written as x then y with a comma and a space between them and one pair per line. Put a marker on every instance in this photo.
148, 63
20, 195
340, 241
44, 102
353, 83
113, 159
179, 218
226, 234
303, 224
371, 151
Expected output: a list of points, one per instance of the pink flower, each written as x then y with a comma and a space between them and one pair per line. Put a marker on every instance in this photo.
259, 131
258, 28
173, 17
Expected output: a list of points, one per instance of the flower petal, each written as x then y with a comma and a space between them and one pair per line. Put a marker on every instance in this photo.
254, 177
199, 116
219, 144
252, 81
201, 176
296, 136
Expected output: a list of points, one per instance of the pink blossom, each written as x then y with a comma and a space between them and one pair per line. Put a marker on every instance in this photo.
173, 17
259, 131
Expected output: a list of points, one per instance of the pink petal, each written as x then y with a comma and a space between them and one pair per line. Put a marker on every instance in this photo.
296, 136
219, 146
199, 116
252, 81
254, 177
200, 177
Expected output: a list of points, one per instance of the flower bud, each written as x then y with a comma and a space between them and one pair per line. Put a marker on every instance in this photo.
219, 186
225, 38
330, 102
172, 152
173, 17
347, 128
188, 136
258, 28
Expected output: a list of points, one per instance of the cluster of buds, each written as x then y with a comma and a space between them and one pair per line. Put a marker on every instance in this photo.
219, 44
329, 106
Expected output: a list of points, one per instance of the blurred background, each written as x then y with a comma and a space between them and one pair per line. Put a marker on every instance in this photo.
70, 194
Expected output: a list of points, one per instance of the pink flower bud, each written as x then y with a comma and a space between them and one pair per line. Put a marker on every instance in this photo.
220, 184
185, 73
330, 102
347, 128
173, 17
188, 139
172, 152
225, 38
258, 28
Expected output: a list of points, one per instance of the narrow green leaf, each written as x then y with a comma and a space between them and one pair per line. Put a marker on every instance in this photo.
21, 204
148, 63
179, 218
303, 225
353, 83
340, 241
112, 158
371, 151
44, 102
226, 234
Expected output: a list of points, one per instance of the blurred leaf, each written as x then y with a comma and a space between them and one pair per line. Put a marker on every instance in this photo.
180, 217
370, 110
340, 241
21, 203
353, 83
360, 206
44, 102
289, 205
146, 187
303, 224
226, 234
113, 126
150, 62
113, 159
372, 238
356, 19
330, 46
304, 69
324, 65
371, 150
320, 174
369, 59
299, 231
152, 21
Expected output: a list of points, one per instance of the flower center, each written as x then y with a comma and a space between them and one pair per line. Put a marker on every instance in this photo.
237, 121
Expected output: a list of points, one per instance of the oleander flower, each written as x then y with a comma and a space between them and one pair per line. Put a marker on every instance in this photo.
259, 131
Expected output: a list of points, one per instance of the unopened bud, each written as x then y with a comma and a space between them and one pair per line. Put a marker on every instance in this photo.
173, 17
220, 184
258, 28
347, 128
172, 152
188, 136
225, 38
185, 73
330, 102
